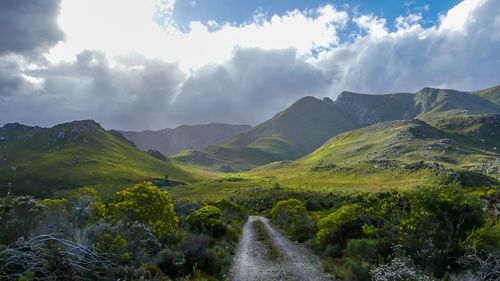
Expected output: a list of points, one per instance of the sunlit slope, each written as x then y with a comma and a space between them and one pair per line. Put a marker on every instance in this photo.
492, 94
308, 123
43, 160
398, 154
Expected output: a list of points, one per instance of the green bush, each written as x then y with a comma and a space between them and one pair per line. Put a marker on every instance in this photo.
291, 216
360, 256
365, 250
19, 217
206, 220
144, 203
339, 226
439, 222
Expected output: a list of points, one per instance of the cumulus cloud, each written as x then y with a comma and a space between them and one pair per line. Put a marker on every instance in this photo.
139, 93
461, 52
249, 88
28, 27
134, 29
134, 73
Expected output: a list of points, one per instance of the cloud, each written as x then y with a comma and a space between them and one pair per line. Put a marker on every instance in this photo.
139, 93
28, 27
135, 93
461, 53
13, 79
134, 73
249, 88
133, 29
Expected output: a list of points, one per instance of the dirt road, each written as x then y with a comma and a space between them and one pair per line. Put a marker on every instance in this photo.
295, 263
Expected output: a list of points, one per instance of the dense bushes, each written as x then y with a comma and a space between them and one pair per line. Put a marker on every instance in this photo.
425, 234
135, 235
19, 218
339, 226
291, 215
146, 203
206, 220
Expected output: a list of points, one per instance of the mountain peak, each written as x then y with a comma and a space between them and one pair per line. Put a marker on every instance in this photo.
307, 99
15, 126
347, 97
80, 126
428, 89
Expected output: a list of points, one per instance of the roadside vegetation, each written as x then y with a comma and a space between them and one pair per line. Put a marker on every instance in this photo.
140, 233
436, 233
446, 232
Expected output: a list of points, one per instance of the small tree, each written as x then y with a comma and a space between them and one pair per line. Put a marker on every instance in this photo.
144, 203
206, 220
291, 215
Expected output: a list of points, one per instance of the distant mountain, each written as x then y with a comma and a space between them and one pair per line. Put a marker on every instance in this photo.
452, 141
310, 122
40, 161
403, 153
170, 141
492, 94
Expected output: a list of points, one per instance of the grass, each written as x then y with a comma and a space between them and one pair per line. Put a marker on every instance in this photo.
492, 94
263, 236
44, 164
354, 161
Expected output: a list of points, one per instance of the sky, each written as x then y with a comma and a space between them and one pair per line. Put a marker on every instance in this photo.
151, 64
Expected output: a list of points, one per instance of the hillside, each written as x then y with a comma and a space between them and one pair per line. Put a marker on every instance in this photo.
399, 154
42, 160
309, 122
492, 94
170, 141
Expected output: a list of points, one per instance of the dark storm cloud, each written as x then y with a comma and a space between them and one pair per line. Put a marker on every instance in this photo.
134, 92
141, 93
249, 88
28, 27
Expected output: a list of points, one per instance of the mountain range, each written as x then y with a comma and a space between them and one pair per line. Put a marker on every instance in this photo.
310, 122
169, 141
399, 139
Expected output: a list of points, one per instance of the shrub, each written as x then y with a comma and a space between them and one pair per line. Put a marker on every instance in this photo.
287, 211
131, 242
197, 253
439, 222
398, 269
360, 256
69, 217
19, 217
291, 216
144, 203
365, 250
339, 226
206, 220
230, 211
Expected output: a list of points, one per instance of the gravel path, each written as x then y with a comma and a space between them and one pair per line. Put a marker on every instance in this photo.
252, 263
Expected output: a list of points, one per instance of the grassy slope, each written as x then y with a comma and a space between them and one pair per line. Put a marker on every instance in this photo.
310, 122
40, 161
373, 158
288, 135
492, 94
435, 103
